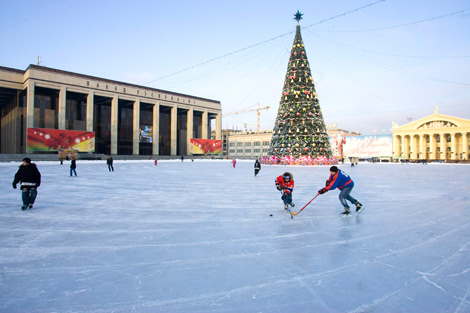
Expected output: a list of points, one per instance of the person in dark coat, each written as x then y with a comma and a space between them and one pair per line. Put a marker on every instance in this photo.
109, 161
30, 178
73, 166
257, 167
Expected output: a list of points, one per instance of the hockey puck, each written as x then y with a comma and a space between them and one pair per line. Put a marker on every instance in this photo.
270, 215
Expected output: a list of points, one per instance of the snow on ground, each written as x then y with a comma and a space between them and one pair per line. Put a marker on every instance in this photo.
199, 237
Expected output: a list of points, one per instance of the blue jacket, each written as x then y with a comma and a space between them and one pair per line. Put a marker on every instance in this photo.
339, 180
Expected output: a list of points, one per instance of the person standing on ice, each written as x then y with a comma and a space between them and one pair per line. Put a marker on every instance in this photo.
285, 184
342, 181
257, 167
234, 162
73, 166
109, 161
30, 178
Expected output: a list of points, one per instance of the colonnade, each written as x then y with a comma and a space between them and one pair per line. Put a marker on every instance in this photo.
437, 145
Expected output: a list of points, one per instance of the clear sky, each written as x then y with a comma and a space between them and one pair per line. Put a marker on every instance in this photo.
390, 60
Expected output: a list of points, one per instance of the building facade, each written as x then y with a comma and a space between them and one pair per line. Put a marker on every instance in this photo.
435, 137
248, 144
127, 119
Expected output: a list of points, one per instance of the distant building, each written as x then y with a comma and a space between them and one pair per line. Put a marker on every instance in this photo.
435, 137
124, 118
249, 144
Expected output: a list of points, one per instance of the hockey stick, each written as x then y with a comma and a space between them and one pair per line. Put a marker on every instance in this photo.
293, 213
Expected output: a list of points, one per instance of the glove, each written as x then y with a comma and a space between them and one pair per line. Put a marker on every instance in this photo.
328, 182
14, 186
322, 191
284, 195
278, 187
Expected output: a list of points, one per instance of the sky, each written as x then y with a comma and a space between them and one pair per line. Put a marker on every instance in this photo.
148, 238
374, 62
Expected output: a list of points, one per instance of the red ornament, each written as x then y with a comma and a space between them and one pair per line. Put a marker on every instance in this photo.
298, 114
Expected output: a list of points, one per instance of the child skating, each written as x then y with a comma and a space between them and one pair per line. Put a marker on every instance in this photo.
285, 183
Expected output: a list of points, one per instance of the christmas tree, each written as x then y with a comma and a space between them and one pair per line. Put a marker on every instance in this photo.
299, 130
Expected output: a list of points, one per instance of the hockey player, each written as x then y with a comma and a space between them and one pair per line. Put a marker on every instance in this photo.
30, 178
285, 184
342, 181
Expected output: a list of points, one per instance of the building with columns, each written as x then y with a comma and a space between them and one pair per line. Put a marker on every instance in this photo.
119, 113
435, 137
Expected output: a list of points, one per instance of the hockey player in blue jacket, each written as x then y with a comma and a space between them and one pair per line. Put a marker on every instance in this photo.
342, 181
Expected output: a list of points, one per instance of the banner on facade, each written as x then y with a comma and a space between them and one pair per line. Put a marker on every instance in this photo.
45, 139
367, 146
206, 146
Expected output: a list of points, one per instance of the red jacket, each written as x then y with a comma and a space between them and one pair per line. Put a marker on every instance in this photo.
287, 186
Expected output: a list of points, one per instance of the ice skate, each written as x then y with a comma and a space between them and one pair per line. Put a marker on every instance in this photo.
346, 213
359, 207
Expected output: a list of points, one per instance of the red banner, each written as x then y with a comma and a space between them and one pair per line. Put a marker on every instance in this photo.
206, 146
45, 139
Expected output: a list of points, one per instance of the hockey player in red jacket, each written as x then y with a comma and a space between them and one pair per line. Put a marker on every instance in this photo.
342, 181
285, 183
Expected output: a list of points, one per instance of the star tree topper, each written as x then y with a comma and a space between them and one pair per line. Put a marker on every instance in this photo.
298, 16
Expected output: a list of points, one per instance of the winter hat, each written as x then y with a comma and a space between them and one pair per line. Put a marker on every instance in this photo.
333, 169
27, 160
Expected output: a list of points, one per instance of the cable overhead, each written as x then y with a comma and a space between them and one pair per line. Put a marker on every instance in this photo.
394, 26
260, 43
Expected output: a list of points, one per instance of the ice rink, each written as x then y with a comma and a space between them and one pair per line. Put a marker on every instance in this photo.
199, 237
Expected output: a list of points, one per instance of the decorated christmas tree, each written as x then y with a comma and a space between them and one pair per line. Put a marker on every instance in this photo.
299, 131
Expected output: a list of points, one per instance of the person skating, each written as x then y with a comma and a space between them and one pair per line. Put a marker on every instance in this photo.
73, 167
234, 162
257, 167
30, 178
342, 181
285, 183
109, 161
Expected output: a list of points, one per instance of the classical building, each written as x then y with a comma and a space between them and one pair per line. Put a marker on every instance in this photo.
435, 137
127, 119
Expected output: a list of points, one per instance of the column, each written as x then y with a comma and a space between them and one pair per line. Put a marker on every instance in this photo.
62, 106
89, 111
136, 128
114, 125
205, 116
156, 129
453, 145
432, 147
396, 146
422, 149
218, 126
190, 131
30, 105
465, 146
412, 147
174, 130
442, 155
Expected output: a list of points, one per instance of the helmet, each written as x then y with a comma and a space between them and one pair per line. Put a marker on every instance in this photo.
286, 176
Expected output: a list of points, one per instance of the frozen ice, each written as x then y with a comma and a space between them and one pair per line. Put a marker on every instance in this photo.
199, 237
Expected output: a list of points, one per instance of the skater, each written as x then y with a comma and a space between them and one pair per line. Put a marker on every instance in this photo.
73, 166
342, 181
156, 161
285, 184
257, 167
182, 158
109, 161
30, 178
234, 162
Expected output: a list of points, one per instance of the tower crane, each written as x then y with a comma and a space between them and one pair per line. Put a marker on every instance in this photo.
249, 110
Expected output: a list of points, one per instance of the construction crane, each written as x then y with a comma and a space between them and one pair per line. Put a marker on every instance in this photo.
249, 110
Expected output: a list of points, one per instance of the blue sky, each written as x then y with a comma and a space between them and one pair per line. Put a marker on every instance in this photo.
387, 61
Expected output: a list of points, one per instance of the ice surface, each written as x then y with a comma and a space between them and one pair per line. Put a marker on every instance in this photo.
198, 237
